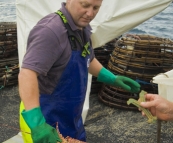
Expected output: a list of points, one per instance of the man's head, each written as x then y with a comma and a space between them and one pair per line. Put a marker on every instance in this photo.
83, 11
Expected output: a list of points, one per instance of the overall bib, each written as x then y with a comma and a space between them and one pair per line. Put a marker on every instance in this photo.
65, 104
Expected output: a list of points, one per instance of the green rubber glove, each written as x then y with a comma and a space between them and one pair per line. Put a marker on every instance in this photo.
126, 83
41, 132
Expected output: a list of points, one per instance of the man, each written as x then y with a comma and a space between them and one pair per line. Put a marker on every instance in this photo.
159, 107
54, 73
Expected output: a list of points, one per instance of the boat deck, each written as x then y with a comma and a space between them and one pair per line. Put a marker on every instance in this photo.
103, 124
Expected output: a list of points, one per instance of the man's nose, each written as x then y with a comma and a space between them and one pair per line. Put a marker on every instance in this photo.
90, 12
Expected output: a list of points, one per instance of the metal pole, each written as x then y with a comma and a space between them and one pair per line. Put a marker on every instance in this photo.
158, 130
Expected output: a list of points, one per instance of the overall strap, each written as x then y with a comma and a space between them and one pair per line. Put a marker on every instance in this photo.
72, 36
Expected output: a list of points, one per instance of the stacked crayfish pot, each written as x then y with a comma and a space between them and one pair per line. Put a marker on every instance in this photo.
8, 54
140, 57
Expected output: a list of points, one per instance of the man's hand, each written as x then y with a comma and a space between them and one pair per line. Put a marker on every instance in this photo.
41, 132
126, 83
158, 106
44, 133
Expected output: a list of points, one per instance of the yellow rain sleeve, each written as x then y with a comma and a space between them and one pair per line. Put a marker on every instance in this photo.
24, 127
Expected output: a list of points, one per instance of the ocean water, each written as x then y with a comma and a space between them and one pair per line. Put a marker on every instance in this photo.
7, 11
160, 25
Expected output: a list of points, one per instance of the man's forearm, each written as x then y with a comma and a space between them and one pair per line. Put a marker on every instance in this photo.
95, 67
170, 111
28, 88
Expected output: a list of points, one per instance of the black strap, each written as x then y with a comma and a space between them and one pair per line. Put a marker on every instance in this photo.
72, 36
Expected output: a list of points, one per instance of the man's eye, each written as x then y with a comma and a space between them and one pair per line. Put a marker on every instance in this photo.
95, 8
84, 5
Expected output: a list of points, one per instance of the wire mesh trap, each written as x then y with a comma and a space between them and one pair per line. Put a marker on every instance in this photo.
8, 54
140, 57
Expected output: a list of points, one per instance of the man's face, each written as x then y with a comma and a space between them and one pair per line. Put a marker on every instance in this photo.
83, 11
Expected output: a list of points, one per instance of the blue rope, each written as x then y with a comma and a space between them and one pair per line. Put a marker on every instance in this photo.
7, 68
1, 87
144, 82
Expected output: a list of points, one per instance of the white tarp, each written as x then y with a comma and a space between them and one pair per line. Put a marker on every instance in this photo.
114, 18
119, 16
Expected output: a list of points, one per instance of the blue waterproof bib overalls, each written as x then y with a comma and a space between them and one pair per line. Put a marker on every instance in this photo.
65, 104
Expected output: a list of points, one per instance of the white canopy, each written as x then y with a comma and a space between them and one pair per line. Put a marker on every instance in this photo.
115, 17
